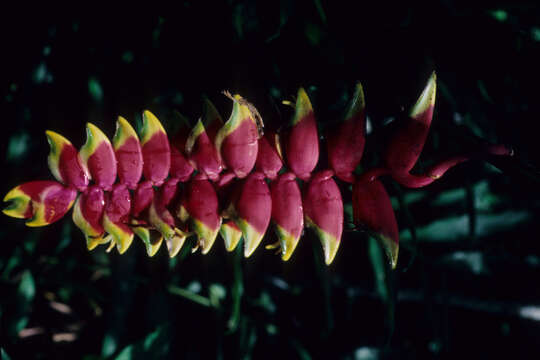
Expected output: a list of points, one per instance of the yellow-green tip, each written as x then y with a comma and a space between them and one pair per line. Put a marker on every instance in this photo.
122, 238
206, 235
94, 137
56, 143
197, 130
175, 243
252, 238
151, 126
357, 103
18, 203
231, 235
330, 246
391, 249
427, 98
124, 131
93, 242
287, 243
303, 106
151, 239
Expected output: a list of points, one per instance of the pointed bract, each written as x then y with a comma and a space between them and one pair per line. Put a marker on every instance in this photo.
323, 209
97, 156
407, 143
201, 204
346, 145
269, 158
155, 149
287, 212
152, 239
202, 153
116, 216
252, 210
181, 169
88, 213
237, 141
302, 150
372, 209
41, 202
65, 163
142, 198
231, 234
128, 152
212, 120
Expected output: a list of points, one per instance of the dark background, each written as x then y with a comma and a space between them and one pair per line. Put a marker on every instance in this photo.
467, 280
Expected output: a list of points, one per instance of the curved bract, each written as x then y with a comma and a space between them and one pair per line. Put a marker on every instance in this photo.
230, 179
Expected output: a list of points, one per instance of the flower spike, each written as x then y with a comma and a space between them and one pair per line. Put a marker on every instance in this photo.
166, 190
65, 163
323, 211
155, 149
346, 145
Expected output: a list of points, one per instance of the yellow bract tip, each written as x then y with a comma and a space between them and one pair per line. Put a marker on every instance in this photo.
303, 106
151, 125
427, 98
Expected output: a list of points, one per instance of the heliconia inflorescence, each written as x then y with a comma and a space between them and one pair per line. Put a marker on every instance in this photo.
230, 179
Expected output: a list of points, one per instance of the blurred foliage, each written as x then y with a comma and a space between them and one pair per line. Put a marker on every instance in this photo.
469, 259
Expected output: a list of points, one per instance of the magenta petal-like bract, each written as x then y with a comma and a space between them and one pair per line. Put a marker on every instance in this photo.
155, 149
116, 216
42, 202
201, 203
440, 168
128, 152
346, 144
237, 141
202, 153
287, 212
269, 160
372, 209
407, 143
97, 155
181, 169
302, 148
142, 198
87, 215
65, 163
323, 210
253, 209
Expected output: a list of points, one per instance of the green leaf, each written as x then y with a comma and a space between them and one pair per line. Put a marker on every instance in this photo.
155, 345
5, 356
18, 145
499, 15
25, 296
94, 89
